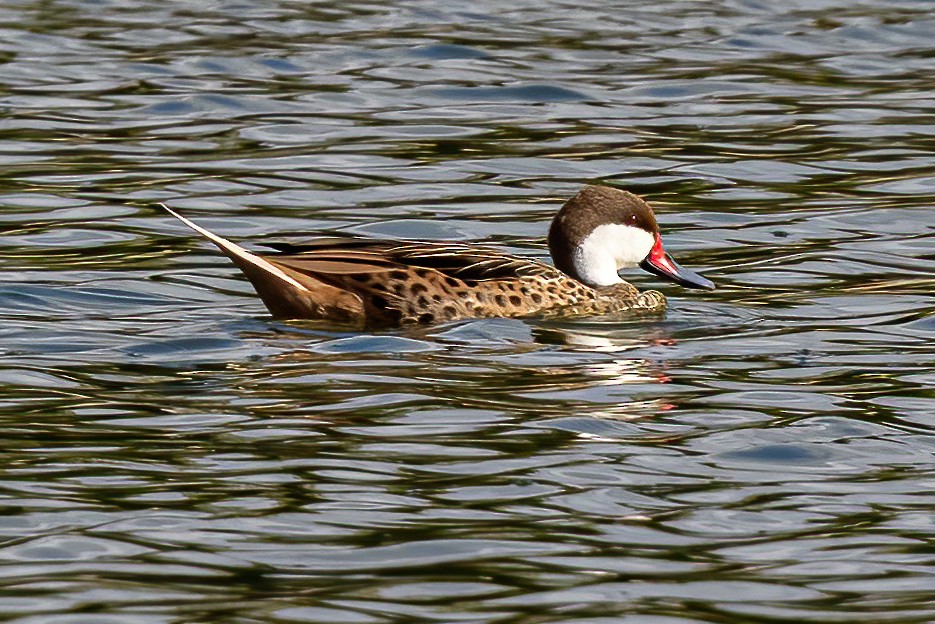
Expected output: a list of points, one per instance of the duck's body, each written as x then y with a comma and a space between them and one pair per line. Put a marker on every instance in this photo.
372, 282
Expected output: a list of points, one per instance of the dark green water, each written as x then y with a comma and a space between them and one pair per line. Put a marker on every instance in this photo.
171, 455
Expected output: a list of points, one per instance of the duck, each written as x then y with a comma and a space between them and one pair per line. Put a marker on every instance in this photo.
369, 282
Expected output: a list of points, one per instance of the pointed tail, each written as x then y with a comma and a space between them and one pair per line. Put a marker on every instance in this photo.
238, 254
286, 293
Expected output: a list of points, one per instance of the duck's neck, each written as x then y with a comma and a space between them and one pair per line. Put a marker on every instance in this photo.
606, 250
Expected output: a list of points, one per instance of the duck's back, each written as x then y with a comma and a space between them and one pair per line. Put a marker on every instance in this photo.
400, 282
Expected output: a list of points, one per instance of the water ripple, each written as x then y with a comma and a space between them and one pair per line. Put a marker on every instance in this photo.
762, 453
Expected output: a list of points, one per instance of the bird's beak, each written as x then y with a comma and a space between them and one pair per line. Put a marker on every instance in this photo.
659, 262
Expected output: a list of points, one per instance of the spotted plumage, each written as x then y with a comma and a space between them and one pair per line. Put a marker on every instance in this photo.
380, 283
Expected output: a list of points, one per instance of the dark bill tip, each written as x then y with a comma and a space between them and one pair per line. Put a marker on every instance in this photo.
659, 263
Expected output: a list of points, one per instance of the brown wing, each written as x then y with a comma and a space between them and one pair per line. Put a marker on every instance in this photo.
350, 256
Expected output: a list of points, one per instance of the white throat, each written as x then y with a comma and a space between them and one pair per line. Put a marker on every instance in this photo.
609, 248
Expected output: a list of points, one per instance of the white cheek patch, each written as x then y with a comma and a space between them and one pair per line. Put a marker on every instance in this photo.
609, 248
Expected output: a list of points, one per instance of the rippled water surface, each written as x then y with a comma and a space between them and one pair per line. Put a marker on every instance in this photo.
170, 454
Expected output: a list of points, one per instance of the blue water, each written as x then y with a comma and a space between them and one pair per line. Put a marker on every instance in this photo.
764, 453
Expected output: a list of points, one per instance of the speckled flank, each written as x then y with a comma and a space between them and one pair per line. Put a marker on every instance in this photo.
425, 296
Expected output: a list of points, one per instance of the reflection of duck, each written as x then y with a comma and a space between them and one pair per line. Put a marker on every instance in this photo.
371, 282
606, 336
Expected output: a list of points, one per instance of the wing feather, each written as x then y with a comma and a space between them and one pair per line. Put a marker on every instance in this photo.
355, 255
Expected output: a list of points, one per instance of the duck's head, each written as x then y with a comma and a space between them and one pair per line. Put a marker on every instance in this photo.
602, 230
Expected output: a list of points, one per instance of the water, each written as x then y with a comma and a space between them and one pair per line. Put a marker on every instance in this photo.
171, 454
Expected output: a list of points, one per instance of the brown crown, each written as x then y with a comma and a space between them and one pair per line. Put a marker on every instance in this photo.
591, 207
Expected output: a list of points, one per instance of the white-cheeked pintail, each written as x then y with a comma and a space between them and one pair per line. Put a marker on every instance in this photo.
379, 282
